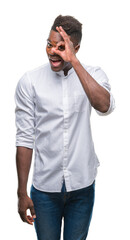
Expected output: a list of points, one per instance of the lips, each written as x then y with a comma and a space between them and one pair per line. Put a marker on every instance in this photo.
55, 62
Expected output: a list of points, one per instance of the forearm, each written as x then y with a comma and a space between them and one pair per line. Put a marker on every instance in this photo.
23, 163
98, 96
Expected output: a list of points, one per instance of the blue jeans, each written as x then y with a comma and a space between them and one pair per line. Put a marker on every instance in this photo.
75, 207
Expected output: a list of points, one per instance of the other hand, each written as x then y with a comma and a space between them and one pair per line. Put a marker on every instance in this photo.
24, 203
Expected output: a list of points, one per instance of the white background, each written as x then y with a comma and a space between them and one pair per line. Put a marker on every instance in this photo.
24, 29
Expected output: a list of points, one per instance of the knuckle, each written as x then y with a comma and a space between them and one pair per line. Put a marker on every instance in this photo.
21, 212
31, 207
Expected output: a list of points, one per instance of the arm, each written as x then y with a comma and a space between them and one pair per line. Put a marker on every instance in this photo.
25, 119
23, 163
98, 96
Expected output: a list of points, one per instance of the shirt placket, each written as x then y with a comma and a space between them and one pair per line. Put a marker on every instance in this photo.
65, 131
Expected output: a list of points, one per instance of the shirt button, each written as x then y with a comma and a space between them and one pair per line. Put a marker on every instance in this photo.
65, 148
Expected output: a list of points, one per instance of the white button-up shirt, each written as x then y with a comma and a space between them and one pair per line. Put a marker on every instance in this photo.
53, 117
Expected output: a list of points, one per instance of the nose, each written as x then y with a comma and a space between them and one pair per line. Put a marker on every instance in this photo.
52, 51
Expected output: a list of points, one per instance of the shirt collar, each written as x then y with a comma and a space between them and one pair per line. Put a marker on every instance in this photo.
61, 73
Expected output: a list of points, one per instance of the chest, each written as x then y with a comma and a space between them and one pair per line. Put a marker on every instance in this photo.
60, 94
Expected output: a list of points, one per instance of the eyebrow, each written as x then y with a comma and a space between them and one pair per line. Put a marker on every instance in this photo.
51, 41
48, 40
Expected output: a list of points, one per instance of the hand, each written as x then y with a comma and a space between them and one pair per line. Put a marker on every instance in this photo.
65, 49
25, 203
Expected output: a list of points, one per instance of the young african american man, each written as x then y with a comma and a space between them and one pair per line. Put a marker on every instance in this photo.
53, 108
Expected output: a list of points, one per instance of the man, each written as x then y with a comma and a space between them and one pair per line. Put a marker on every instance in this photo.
53, 107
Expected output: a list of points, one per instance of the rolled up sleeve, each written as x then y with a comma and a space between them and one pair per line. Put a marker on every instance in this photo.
100, 76
24, 113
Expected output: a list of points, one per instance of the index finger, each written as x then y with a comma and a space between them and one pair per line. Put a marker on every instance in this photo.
62, 33
25, 218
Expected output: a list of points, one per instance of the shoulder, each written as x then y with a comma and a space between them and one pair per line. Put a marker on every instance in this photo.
35, 73
31, 76
92, 69
96, 72
36, 70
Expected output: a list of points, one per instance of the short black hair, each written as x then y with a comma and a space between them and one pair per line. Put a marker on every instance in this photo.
71, 26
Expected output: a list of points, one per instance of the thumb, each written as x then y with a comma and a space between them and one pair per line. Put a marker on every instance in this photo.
58, 52
32, 210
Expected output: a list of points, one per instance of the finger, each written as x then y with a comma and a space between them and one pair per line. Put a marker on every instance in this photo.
32, 210
58, 52
60, 46
25, 218
30, 219
63, 33
61, 30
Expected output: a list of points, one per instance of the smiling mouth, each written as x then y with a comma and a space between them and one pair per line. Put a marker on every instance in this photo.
55, 62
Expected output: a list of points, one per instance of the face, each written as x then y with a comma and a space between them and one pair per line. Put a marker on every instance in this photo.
56, 62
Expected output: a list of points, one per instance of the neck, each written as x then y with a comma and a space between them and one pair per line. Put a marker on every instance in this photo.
67, 68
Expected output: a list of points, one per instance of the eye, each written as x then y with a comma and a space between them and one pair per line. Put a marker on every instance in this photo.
61, 48
49, 44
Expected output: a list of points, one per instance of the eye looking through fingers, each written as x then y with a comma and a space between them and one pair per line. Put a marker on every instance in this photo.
61, 46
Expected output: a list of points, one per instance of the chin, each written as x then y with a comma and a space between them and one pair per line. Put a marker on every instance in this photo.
56, 69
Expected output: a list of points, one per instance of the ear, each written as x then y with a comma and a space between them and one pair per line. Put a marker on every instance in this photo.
77, 48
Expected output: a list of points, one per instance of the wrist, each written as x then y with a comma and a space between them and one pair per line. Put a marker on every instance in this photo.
74, 61
21, 193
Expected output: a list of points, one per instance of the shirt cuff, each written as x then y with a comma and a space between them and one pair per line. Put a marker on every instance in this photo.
111, 107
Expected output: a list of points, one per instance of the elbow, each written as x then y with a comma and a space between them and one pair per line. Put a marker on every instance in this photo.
103, 106
106, 105
102, 109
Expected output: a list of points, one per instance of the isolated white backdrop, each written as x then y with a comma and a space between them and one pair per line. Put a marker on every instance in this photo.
24, 28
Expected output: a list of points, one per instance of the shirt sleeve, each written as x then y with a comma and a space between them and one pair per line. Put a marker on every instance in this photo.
24, 113
100, 76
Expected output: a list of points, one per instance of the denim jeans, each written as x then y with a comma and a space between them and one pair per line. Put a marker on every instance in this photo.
75, 207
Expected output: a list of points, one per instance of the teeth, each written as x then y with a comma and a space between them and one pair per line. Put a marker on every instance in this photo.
55, 60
